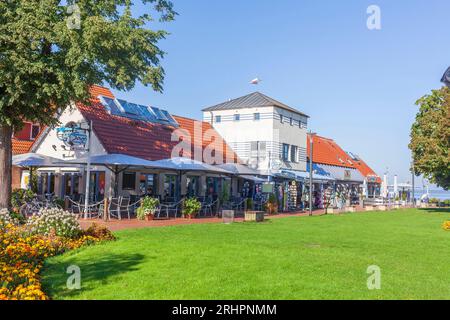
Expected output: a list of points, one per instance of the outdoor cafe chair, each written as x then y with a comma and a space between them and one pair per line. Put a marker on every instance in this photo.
208, 207
114, 208
94, 210
125, 206
170, 208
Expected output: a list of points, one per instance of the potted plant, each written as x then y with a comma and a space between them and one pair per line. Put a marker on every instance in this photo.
249, 204
147, 209
191, 207
272, 204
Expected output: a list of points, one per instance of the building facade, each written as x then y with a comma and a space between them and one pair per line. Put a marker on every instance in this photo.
265, 134
119, 127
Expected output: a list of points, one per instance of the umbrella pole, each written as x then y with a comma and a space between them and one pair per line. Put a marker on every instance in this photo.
116, 182
30, 182
88, 173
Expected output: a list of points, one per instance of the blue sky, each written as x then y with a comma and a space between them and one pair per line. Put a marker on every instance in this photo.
358, 86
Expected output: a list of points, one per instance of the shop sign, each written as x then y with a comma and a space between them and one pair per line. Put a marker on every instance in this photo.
347, 174
267, 188
73, 136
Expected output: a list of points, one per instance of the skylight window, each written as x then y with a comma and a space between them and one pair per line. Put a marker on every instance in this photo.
169, 117
146, 113
135, 111
159, 115
110, 105
128, 107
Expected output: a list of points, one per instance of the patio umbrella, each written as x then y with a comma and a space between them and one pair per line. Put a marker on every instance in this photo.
116, 163
238, 169
186, 164
183, 165
28, 160
33, 160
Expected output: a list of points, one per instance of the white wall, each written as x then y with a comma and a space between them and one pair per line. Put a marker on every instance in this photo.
239, 134
45, 147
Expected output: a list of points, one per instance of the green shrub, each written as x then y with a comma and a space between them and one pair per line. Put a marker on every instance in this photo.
99, 232
249, 204
59, 202
20, 197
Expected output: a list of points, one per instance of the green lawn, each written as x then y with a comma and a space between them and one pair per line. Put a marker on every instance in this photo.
322, 257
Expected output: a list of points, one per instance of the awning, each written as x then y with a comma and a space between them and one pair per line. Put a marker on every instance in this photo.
252, 178
341, 173
304, 176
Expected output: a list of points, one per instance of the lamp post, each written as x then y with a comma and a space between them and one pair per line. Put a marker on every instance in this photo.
413, 191
311, 143
446, 78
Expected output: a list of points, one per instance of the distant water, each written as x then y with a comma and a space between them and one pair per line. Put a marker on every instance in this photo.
439, 194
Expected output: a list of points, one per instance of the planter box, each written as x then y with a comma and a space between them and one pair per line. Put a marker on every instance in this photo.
382, 208
257, 216
369, 208
331, 210
350, 209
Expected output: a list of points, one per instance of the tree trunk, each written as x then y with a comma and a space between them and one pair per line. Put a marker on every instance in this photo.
5, 166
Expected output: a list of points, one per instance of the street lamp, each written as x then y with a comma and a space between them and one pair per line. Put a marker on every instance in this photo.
446, 78
311, 142
413, 186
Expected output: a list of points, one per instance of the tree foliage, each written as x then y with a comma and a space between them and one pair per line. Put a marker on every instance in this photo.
430, 137
45, 64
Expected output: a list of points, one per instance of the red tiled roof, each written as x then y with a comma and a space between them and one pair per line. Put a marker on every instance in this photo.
141, 139
327, 151
365, 170
21, 146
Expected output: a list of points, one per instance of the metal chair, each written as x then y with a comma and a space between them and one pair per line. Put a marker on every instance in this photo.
114, 208
208, 207
172, 208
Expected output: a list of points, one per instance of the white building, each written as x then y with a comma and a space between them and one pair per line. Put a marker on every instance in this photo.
264, 133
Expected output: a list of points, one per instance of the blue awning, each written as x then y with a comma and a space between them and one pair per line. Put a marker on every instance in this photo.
340, 173
304, 176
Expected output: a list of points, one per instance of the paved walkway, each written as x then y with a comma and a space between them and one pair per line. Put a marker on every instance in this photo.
115, 225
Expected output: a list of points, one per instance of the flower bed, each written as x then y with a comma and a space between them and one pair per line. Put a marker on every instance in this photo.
446, 225
23, 250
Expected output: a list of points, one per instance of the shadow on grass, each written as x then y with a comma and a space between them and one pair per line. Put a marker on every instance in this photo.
436, 210
95, 270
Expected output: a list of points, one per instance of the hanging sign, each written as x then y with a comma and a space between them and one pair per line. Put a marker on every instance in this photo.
73, 136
